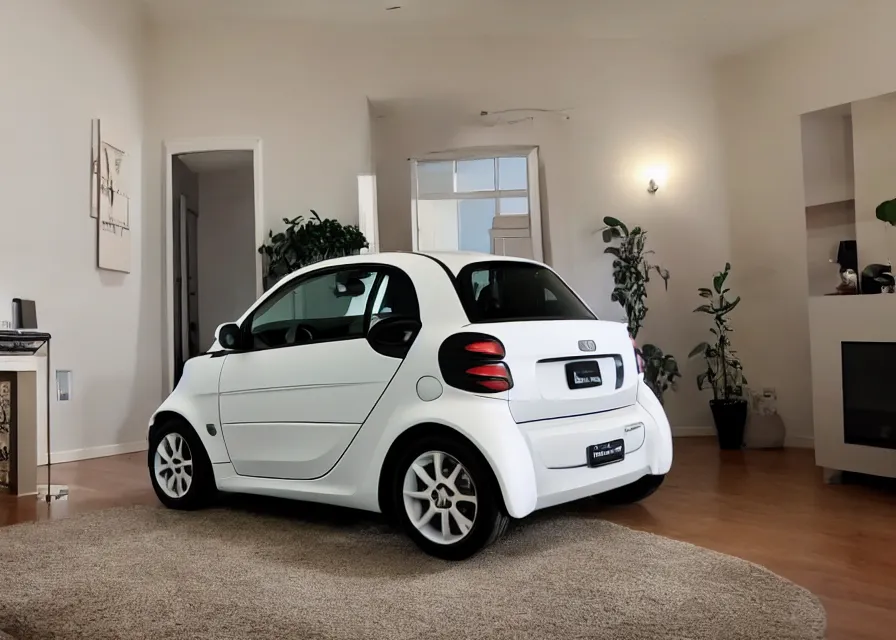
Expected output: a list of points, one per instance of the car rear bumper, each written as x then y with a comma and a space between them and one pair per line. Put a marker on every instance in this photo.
558, 450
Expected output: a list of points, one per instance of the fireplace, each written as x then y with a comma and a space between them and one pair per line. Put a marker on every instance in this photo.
869, 393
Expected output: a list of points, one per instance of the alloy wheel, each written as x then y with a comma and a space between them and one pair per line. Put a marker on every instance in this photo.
440, 497
173, 465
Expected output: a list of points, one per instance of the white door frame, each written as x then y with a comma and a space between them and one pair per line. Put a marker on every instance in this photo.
534, 188
194, 145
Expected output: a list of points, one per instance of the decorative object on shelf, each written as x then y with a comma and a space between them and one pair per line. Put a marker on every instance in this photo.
848, 261
724, 372
849, 282
765, 428
877, 278
305, 242
631, 273
848, 256
113, 205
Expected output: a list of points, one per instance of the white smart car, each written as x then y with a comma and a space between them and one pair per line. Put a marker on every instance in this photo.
449, 391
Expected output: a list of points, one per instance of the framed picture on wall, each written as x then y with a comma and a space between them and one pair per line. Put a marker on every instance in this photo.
113, 204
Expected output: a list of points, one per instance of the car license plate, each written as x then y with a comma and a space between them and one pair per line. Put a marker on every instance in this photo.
598, 455
583, 374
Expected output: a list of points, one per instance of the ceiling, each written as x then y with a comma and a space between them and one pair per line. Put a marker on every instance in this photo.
711, 27
206, 161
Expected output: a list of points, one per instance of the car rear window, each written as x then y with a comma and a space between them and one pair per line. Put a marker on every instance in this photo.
514, 291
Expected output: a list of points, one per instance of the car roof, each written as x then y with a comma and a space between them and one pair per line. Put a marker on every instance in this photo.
453, 260
457, 260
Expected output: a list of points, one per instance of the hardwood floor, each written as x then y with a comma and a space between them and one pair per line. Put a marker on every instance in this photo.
769, 507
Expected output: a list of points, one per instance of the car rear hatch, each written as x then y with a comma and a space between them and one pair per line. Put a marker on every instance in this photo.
563, 361
567, 368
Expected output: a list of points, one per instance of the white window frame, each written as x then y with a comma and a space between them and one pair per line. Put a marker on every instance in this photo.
368, 217
483, 153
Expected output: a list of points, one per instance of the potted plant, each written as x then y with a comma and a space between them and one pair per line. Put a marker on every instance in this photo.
724, 373
631, 273
886, 212
305, 242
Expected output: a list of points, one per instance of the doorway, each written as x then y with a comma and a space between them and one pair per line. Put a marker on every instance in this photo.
186, 284
214, 227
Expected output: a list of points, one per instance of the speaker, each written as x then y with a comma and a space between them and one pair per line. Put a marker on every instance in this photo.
24, 314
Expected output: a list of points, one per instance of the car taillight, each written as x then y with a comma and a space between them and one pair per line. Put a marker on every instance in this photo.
638, 357
474, 362
486, 348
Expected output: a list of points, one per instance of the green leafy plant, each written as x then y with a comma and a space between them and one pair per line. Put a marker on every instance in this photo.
305, 242
724, 373
631, 274
660, 370
886, 212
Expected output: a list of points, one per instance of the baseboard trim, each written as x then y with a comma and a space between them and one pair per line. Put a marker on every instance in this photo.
692, 432
799, 442
73, 455
791, 442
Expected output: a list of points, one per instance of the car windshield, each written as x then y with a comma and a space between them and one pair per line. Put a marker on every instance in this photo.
515, 291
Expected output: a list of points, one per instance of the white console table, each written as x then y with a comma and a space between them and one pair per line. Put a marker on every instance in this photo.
832, 321
32, 389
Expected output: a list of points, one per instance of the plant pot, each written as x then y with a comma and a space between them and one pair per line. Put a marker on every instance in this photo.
730, 417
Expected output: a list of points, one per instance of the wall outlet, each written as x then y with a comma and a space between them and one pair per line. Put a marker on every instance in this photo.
63, 385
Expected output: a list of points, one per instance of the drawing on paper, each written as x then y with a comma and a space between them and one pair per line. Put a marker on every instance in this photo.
114, 250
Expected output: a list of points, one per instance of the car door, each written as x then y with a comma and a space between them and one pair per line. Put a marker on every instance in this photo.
293, 401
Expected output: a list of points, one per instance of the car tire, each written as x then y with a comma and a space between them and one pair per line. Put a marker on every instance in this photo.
474, 481
634, 492
179, 467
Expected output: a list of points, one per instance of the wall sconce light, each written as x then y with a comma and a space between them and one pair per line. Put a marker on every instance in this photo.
656, 177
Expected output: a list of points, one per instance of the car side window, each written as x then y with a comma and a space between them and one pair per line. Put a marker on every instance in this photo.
395, 296
319, 308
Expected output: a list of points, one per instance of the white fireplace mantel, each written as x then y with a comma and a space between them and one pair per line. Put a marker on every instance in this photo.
832, 321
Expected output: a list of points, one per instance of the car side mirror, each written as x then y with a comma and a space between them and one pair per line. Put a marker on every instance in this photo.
394, 336
230, 337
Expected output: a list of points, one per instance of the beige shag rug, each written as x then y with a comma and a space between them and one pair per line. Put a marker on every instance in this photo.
239, 573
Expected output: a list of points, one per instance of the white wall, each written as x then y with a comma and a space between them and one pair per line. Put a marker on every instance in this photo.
226, 247
827, 157
762, 96
64, 63
874, 146
305, 93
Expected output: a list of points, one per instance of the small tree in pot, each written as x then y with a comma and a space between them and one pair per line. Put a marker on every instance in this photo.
305, 242
631, 273
724, 373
